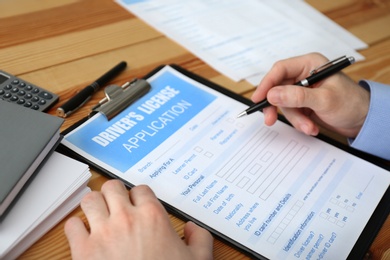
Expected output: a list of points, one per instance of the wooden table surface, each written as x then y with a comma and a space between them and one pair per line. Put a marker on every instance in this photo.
63, 45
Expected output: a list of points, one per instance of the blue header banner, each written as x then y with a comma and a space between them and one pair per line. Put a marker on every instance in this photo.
144, 125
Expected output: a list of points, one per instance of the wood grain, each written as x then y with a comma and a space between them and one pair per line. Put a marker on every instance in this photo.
63, 45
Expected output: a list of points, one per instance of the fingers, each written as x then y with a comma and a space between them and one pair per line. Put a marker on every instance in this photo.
115, 195
290, 99
75, 232
294, 101
288, 72
300, 121
295, 96
95, 208
142, 194
270, 115
98, 206
114, 198
295, 116
199, 239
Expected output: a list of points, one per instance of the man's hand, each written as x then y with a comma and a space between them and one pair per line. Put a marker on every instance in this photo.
132, 225
337, 103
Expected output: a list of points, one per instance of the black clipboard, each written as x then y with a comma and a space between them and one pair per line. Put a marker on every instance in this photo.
365, 239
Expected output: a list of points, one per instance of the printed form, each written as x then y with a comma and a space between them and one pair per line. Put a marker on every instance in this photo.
277, 192
242, 39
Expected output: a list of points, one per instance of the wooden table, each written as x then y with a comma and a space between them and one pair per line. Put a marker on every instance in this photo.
62, 45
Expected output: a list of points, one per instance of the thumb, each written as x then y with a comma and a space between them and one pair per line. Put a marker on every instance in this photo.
199, 240
295, 97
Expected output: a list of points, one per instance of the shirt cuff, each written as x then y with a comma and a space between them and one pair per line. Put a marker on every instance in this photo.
374, 137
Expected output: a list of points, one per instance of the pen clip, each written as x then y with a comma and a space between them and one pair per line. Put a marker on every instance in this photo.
120, 97
328, 64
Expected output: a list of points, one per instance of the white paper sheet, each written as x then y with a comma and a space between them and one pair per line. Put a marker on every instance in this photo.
309, 18
54, 192
241, 39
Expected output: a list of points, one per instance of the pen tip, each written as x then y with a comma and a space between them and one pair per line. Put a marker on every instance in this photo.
243, 113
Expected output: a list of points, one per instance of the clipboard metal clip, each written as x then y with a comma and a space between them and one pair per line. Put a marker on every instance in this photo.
120, 97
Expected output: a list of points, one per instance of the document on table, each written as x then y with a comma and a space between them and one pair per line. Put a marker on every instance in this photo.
272, 190
54, 192
242, 39
314, 20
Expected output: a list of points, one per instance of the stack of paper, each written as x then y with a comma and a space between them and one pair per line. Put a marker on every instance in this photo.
242, 39
27, 137
54, 192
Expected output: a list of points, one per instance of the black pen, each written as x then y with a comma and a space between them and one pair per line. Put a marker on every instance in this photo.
316, 75
84, 95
